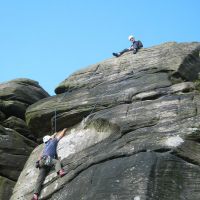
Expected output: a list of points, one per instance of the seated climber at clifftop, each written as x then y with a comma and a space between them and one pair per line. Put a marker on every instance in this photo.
134, 47
48, 159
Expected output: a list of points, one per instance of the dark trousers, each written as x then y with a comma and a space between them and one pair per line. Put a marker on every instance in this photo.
124, 51
43, 173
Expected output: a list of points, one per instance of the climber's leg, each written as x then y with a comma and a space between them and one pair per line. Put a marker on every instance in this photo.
121, 52
58, 167
41, 177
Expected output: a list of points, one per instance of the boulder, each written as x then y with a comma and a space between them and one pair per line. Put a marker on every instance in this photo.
16, 139
23, 90
173, 58
18, 94
114, 82
19, 126
6, 187
15, 149
13, 108
133, 133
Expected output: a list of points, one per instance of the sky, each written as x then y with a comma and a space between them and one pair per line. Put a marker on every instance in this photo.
48, 40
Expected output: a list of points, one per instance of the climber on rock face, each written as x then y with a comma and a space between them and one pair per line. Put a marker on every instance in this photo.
134, 47
48, 159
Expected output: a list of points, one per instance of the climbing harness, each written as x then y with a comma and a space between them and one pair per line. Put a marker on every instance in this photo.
45, 161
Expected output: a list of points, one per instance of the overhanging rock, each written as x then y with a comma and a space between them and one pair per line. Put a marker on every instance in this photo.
115, 81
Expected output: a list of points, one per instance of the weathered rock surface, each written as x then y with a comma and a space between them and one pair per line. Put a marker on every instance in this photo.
2, 116
14, 152
15, 149
23, 90
116, 81
15, 143
6, 187
18, 125
140, 138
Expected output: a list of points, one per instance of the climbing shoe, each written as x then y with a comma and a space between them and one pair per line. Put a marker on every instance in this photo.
35, 197
61, 173
116, 54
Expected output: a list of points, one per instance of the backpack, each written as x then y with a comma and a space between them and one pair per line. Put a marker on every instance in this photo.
140, 45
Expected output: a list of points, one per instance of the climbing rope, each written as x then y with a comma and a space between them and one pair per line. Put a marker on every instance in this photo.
54, 119
94, 107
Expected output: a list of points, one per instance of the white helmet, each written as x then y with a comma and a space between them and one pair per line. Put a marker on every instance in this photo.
46, 138
130, 37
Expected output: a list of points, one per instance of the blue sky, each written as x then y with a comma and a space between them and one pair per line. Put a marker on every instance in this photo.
47, 40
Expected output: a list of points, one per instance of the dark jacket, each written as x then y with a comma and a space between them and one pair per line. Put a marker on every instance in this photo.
136, 45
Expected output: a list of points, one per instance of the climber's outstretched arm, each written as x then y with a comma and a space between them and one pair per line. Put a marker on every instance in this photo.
60, 134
